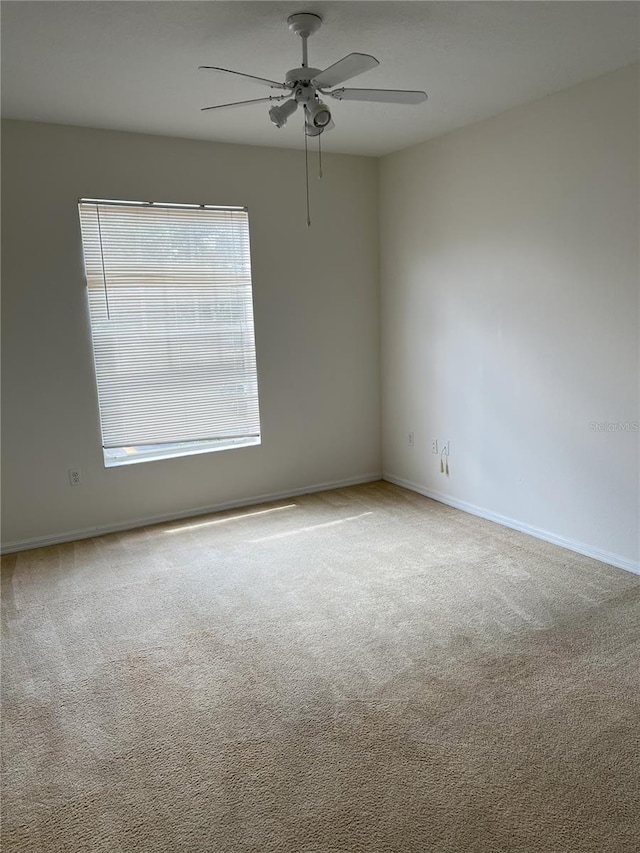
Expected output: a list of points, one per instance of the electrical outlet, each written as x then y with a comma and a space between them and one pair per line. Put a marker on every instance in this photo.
75, 476
434, 445
410, 439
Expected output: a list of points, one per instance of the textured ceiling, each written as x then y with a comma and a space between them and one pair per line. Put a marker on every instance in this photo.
132, 65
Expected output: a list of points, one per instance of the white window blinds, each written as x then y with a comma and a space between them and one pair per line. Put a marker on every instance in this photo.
172, 322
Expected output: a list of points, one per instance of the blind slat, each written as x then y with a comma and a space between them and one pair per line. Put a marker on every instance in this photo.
171, 313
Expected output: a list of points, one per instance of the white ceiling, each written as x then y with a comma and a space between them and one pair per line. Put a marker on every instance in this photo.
133, 65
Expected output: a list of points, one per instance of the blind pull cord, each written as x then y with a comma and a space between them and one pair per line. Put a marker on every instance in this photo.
104, 274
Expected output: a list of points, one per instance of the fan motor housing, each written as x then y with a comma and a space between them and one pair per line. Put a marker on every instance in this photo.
300, 75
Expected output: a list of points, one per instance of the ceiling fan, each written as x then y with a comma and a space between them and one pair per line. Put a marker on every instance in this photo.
304, 86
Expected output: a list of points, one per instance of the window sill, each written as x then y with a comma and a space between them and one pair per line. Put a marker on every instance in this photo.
114, 457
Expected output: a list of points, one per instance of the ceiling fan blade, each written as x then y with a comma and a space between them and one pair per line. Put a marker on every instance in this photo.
241, 103
272, 83
382, 96
344, 69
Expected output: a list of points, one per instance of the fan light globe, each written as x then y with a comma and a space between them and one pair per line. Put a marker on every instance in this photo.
281, 113
319, 115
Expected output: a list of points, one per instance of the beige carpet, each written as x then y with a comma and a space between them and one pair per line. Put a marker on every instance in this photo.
358, 671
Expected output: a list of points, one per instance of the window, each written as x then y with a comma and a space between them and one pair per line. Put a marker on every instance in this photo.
171, 312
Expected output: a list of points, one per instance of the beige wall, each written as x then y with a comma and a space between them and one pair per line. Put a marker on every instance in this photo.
316, 315
509, 298
509, 286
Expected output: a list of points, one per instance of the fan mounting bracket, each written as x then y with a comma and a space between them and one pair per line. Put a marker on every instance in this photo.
304, 24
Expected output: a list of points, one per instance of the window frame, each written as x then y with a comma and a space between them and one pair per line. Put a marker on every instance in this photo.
238, 335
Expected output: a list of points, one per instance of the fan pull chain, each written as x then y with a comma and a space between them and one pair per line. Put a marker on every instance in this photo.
319, 155
306, 168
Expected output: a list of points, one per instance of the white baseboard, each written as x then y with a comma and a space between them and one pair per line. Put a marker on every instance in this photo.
88, 533
571, 544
